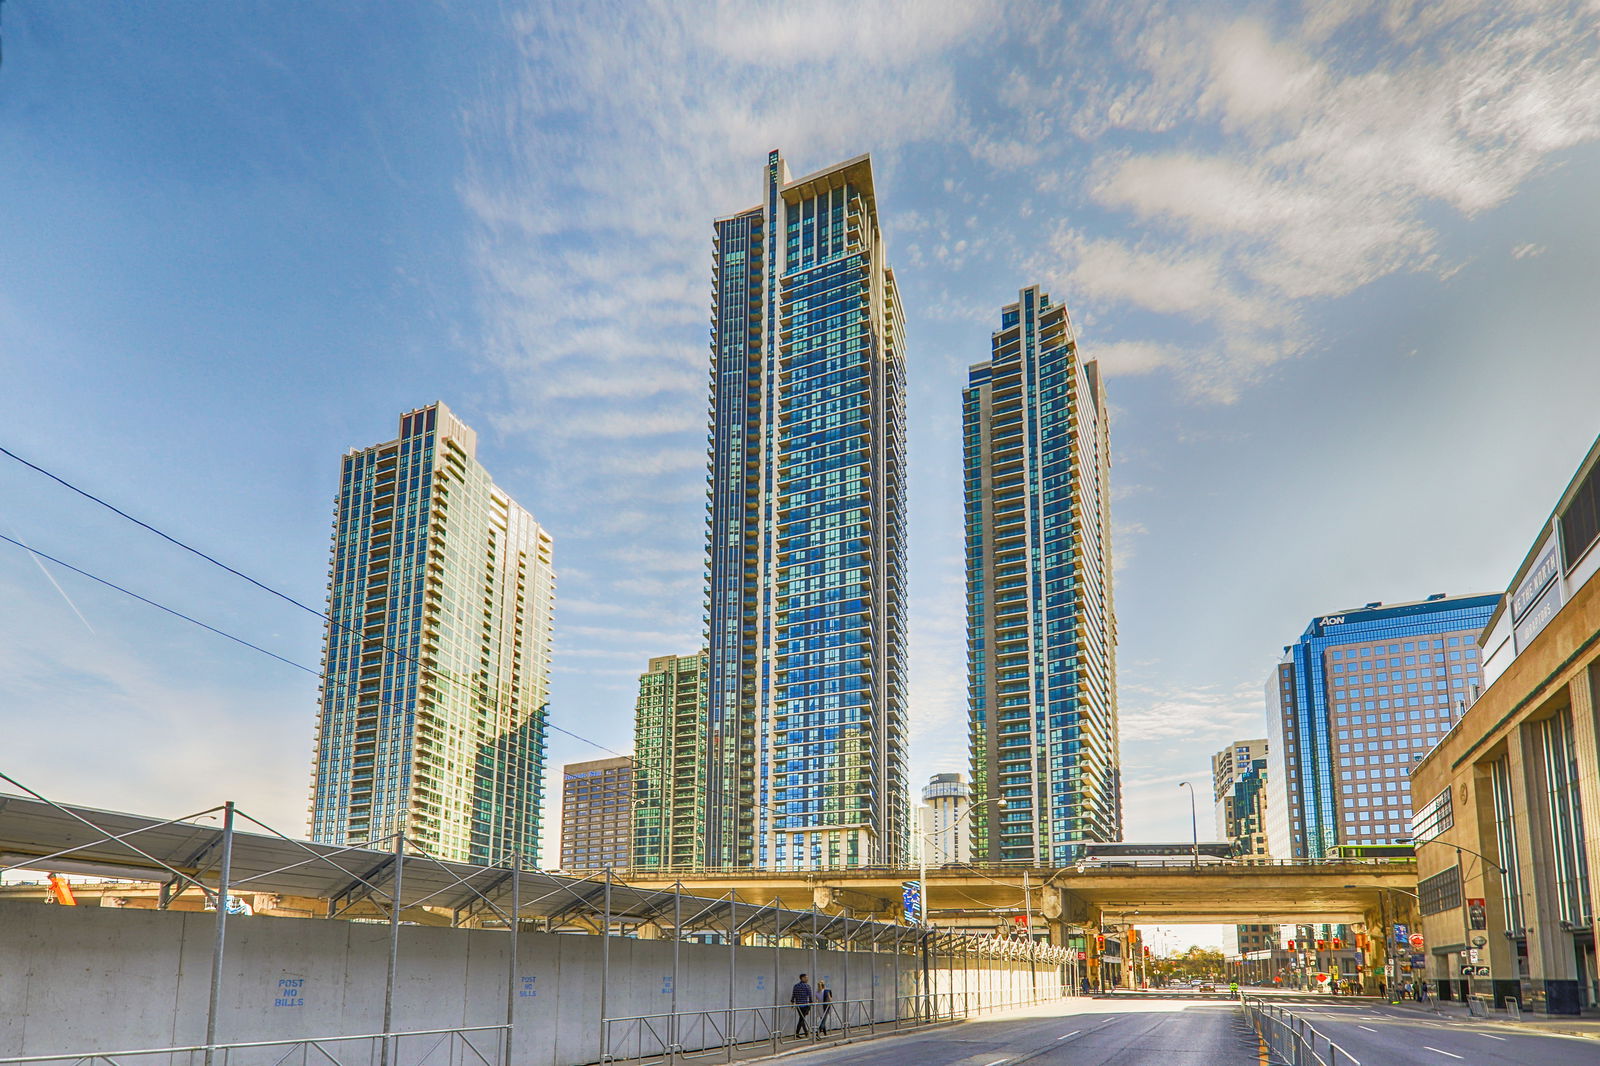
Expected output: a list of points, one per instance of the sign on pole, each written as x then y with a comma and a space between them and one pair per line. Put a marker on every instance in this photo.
911, 900
1402, 934
1477, 914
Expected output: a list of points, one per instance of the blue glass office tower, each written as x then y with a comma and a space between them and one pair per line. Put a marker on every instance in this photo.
806, 531
1041, 629
1360, 697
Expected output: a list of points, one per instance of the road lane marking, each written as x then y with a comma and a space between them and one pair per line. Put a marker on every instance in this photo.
1075, 1032
1452, 1054
1491, 1037
996, 1062
1368, 1028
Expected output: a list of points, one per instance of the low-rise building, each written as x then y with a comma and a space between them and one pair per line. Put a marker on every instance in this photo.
1507, 826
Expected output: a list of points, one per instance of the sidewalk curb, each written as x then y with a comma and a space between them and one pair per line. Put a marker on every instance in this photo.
856, 1040
1502, 1023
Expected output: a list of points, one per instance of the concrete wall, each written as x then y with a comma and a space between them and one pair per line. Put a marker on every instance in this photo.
76, 979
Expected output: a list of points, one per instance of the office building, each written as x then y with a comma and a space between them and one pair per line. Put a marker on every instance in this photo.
671, 750
1041, 632
1237, 775
597, 815
1508, 820
946, 829
437, 653
806, 612
1362, 695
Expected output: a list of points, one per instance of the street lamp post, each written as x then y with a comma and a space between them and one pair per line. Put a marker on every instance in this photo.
1194, 822
922, 857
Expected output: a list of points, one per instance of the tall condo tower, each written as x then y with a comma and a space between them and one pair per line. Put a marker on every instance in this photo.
670, 753
1041, 632
806, 530
437, 652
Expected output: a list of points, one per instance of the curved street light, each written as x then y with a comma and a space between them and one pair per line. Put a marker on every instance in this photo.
1194, 823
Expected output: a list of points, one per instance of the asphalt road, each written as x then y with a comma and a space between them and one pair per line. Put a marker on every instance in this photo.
1379, 1035
1095, 1032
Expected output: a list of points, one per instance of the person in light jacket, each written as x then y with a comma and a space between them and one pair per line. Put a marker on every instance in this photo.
825, 999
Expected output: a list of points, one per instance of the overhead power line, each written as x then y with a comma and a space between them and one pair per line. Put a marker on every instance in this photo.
263, 586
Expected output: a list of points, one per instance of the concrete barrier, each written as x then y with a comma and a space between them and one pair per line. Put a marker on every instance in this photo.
87, 979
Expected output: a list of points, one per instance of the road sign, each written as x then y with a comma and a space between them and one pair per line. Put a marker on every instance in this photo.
1082, 955
1416, 941
1482, 971
1419, 962
911, 900
1477, 914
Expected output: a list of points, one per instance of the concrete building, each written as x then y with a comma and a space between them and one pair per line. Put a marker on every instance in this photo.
806, 607
1508, 821
1362, 695
1238, 773
437, 653
946, 835
1041, 631
597, 815
671, 750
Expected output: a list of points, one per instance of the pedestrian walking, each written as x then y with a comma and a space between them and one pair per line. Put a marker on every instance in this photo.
801, 997
824, 1006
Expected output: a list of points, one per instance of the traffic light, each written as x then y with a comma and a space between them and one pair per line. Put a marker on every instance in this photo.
1100, 942
1147, 951
1322, 945
1338, 943
1291, 945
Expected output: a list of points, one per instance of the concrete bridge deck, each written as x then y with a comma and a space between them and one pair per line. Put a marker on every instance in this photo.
1176, 893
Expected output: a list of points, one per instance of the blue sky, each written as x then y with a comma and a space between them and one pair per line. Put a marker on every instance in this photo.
1340, 262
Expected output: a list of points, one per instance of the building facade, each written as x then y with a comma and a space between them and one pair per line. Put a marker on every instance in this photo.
806, 611
597, 816
1238, 772
1041, 630
1507, 828
671, 750
946, 828
437, 653
1360, 697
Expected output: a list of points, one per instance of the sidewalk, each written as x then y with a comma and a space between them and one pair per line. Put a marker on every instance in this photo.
1565, 1024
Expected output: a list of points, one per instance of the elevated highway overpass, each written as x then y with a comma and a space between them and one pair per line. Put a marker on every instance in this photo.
1175, 893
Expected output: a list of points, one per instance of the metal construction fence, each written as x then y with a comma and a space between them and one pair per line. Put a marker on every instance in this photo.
468, 1046
1290, 1039
700, 1035
207, 859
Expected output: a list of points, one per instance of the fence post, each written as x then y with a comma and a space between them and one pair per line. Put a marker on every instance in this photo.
218, 948
733, 960
386, 1052
677, 940
605, 972
511, 978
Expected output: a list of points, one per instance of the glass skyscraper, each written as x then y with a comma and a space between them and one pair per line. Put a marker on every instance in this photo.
437, 653
670, 744
1362, 695
1041, 631
806, 530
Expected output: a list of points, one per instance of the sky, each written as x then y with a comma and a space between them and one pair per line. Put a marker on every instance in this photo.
1338, 261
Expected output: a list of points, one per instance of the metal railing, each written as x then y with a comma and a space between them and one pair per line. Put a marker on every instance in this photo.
479, 1045
712, 1034
1291, 1040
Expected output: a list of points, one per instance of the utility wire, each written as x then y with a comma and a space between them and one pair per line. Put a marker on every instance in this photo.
263, 586
158, 606
169, 538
